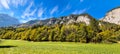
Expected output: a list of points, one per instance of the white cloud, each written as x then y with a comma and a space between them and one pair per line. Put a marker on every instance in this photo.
27, 12
33, 12
18, 2
5, 3
54, 10
81, 0
40, 12
80, 11
67, 7
15, 3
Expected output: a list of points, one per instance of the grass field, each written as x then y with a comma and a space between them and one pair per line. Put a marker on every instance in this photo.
25, 47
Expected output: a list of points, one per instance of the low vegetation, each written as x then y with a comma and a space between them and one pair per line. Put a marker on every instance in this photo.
26, 47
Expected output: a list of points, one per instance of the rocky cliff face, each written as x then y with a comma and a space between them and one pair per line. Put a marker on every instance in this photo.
85, 18
113, 16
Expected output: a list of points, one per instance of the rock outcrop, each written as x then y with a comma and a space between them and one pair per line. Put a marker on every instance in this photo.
113, 16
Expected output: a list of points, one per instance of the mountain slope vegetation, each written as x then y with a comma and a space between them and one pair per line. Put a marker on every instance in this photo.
74, 28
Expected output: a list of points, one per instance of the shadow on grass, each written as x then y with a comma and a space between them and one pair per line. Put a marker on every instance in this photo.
7, 46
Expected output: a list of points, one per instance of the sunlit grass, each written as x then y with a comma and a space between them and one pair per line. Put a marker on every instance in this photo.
25, 47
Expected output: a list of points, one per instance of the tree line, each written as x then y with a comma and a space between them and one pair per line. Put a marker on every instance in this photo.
96, 32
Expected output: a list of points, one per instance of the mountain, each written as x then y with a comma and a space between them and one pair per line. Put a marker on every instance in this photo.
85, 18
6, 20
113, 16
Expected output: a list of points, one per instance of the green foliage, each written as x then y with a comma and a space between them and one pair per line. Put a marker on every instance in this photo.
96, 32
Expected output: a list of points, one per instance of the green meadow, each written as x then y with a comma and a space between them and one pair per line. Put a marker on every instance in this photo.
27, 47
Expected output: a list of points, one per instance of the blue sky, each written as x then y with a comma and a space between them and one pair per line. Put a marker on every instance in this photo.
26, 10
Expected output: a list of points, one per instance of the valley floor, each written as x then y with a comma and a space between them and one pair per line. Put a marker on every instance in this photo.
25, 47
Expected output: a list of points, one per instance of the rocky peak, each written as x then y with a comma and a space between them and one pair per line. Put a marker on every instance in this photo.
81, 18
84, 18
113, 16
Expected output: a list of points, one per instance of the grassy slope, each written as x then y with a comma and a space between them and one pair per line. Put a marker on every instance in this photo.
24, 47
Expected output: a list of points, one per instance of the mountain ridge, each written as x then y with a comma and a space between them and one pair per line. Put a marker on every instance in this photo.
6, 20
111, 16
85, 18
